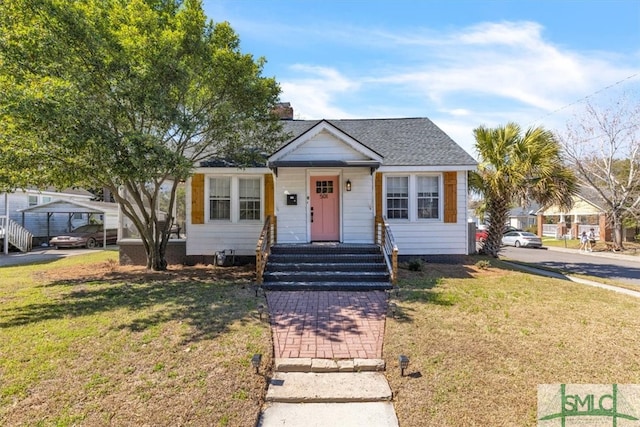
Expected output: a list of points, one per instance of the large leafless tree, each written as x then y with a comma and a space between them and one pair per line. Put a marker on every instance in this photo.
603, 146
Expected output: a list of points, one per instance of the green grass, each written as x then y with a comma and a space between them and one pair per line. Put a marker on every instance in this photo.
126, 347
481, 340
83, 342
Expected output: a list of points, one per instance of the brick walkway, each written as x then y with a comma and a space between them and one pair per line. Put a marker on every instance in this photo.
327, 324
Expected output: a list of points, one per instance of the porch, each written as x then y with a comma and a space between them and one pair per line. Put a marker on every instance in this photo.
326, 265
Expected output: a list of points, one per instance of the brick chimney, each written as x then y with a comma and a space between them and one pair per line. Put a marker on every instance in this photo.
284, 110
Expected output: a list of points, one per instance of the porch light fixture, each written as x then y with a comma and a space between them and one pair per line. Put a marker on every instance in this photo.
404, 363
255, 361
348, 185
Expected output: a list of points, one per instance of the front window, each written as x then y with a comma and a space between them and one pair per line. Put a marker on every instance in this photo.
397, 197
249, 197
427, 196
220, 198
235, 198
413, 197
33, 200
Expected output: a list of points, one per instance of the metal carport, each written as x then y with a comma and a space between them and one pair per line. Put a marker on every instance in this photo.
72, 207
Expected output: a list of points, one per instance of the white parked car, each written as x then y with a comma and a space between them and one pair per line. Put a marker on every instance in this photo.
521, 238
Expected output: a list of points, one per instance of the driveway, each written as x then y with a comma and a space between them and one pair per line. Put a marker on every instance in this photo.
607, 265
44, 255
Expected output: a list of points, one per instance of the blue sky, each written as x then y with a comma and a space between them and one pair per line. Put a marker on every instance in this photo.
461, 63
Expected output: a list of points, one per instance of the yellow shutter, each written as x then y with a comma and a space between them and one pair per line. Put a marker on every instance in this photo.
450, 197
269, 208
378, 195
197, 199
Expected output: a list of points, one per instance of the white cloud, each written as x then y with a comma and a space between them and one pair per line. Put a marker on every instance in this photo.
314, 94
489, 73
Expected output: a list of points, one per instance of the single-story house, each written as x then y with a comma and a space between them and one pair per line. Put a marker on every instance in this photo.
523, 217
334, 181
587, 212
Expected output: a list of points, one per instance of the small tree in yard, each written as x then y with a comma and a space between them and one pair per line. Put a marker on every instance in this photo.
603, 146
515, 169
128, 95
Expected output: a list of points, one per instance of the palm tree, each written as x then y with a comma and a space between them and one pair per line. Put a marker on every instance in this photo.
515, 169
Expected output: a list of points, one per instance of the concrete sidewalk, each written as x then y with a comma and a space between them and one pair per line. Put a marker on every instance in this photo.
362, 414
346, 399
328, 369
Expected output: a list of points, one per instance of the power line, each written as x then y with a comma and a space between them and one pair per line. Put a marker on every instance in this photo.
586, 97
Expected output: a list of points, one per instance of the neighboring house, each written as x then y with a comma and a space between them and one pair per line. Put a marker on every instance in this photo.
23, 203
587, 212
523, 218
330, 182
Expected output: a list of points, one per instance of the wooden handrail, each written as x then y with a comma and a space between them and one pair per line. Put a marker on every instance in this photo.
384, 238
263, 247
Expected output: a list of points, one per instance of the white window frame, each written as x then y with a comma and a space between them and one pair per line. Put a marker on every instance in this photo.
230, 180
250, 199
438, 177
386, 197
235, 199
413, 197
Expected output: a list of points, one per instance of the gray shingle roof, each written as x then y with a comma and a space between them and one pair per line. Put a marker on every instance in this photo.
402, 142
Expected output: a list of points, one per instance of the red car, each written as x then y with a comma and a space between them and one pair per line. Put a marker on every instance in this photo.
481, 235
89, 236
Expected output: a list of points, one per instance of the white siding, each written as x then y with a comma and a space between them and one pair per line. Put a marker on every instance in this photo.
326, 147
438, 237
214, 236
357, 219
292, 220
207, 239
358, 206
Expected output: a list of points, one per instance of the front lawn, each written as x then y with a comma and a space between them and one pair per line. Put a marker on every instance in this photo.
84, 342
481, 340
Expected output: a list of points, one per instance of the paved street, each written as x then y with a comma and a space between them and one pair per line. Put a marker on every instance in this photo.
623, 268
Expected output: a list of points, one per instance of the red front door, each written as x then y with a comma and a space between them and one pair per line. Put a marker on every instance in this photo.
325, 209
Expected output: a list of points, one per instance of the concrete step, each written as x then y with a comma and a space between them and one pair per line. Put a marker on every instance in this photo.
326, 258
326, 286
334, 387
325, 248
308, 364
327, 266
326, 276
358, 414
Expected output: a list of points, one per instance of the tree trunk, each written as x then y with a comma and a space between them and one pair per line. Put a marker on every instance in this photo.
617, 231
497, 213
156, 259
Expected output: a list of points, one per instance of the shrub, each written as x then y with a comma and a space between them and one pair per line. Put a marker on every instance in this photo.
416, 264
483, 264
